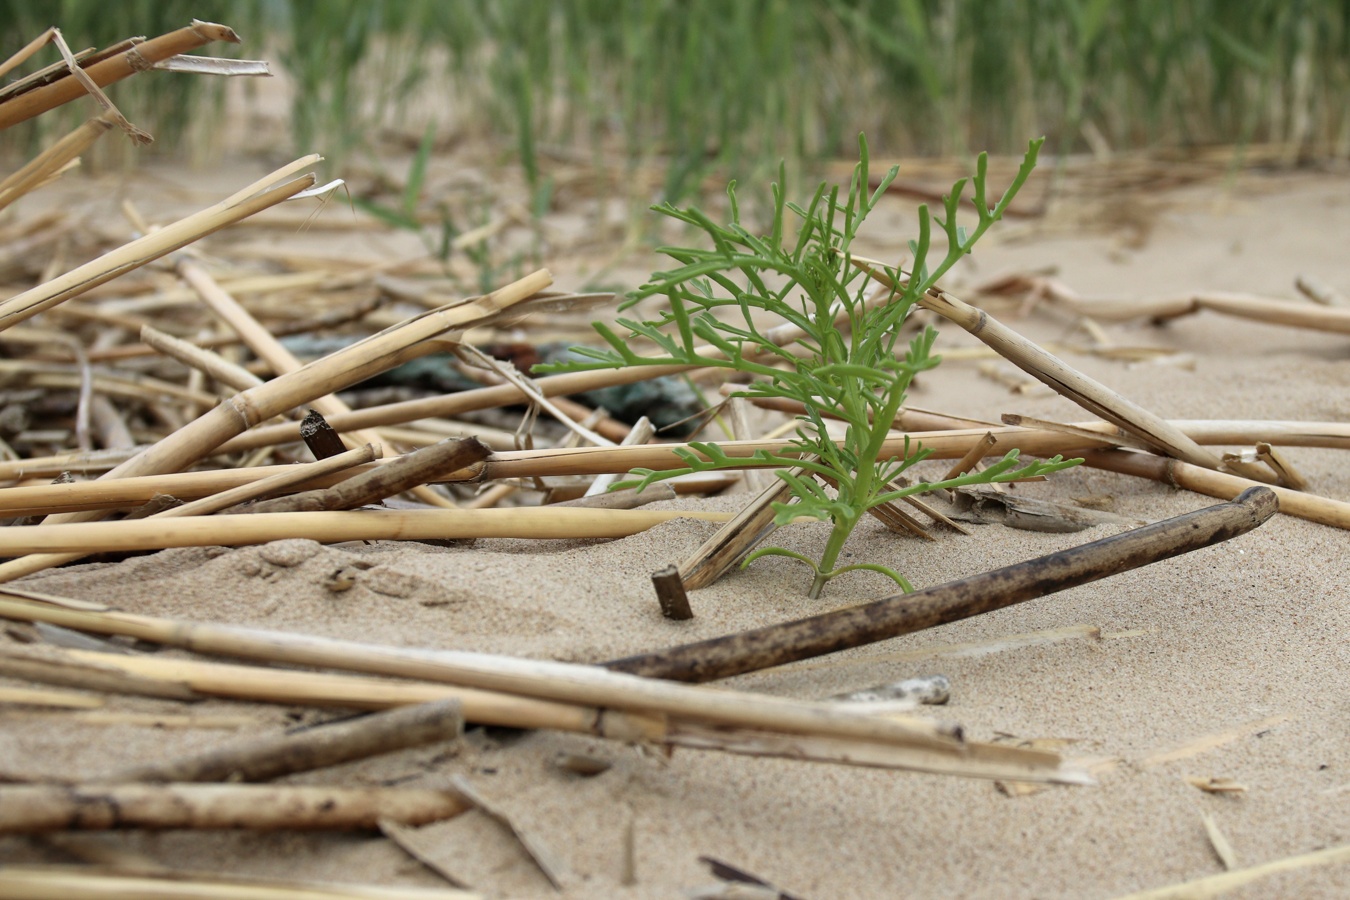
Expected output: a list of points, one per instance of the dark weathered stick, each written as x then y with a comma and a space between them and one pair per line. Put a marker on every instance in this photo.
900, 614
32, 809
670, 593
274, 756
394, 477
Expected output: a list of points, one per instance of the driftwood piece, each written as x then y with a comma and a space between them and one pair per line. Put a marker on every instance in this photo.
670, 593
394, 477
275, 756
900, 614
33, 809
91, 883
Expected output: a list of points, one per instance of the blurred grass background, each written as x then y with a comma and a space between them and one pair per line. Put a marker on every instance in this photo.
703, 87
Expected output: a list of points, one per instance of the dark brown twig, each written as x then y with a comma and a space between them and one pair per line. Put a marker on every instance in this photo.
900, 614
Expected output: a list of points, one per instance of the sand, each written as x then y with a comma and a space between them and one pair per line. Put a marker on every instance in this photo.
1228, 663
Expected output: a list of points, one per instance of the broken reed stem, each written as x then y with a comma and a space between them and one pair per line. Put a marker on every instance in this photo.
130, 674
1323, 510
33, 809
90, 883
373, 485
1211, 887
50, 161
1243, 306
141, 251
124, 492
450, 405
281, 481
542, 680
323, 376
276, 756
138, 58
776, 645
155, 533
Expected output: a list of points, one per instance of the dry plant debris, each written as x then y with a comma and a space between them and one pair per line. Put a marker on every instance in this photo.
134, 389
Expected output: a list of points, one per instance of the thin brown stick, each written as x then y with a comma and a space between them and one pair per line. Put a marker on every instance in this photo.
275, 756
776, 645
34, 809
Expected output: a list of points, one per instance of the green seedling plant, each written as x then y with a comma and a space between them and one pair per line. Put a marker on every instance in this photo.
801, 272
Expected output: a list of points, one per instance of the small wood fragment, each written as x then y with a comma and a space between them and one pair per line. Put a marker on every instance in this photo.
275, 756
319, 436
1283, 469
670, 593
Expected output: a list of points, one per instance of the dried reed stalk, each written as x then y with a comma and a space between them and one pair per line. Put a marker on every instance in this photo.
1212, 887
1324, 510
276, 756
155, 533
85, 883
1260, 309
1059, 376
259, 196
138, 58
736, 538
33, 809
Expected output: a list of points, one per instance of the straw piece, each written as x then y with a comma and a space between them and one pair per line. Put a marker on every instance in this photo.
1215, 886
1284, 470
626, 499
32, 809
373, 485
155, 533
899, 614
13, 696
1319, 292
87, 884
276, 756
1219, 841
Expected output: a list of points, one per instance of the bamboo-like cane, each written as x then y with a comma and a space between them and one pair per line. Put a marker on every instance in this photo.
145, 249
33, 809
138, 58
52, 883
776, 645
275, 756
50, 161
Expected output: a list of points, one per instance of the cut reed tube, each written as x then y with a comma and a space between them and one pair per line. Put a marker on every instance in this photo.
157, 533
776, 645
